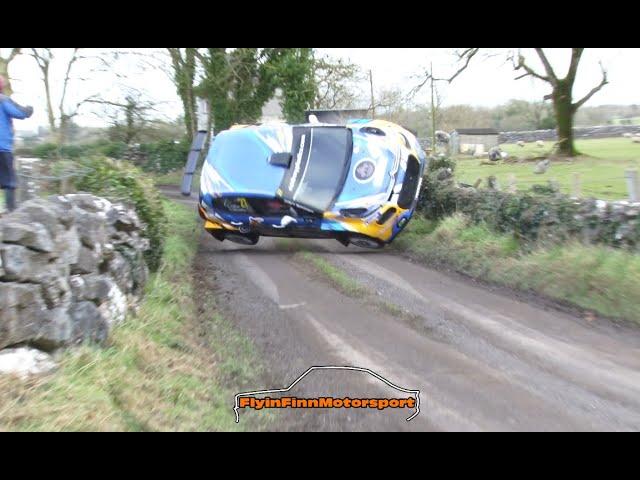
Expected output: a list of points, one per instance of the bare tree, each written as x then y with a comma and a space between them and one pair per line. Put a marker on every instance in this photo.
561, 88
59, 117
4, 67
463, 58
336, 83
128, 117
561, 93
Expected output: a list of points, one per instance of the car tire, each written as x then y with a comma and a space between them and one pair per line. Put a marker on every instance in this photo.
366, 242
248, 239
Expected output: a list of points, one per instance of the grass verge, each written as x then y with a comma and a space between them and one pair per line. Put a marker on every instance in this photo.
163, 369
339, 279
602, 279
350, 287
175, 178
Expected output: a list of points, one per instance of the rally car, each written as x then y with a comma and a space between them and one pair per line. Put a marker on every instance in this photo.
357, 183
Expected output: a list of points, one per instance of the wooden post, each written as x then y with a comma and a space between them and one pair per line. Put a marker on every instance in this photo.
632, 185
576, 190
64, 185
433, 115
511, 183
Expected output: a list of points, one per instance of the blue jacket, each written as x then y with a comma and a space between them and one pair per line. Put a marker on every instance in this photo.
8, 111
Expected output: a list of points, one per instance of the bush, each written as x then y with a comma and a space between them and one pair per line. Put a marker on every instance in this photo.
45, 150
108, 148
121, 181
157, 157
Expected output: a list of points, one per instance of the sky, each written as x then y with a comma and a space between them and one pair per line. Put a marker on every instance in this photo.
489, 80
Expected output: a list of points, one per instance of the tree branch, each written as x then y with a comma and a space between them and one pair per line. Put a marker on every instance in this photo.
466, 55
13, 54
576, 54
66, 80
547, 66
593, 91
529, 71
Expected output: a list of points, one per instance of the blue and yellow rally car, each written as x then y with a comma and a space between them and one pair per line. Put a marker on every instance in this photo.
357, 183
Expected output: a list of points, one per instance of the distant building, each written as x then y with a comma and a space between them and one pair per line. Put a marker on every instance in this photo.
272, 111
472, 140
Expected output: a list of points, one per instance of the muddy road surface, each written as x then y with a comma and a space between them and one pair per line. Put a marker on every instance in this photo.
481, 359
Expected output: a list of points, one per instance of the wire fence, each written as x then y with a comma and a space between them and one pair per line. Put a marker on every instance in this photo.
622, 187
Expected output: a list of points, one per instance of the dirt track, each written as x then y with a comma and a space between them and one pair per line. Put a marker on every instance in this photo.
482, 360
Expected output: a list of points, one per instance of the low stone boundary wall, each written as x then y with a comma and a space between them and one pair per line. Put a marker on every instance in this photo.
606, 131
70, 267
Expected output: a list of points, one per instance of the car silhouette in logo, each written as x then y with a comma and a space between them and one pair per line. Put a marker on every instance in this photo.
358, 182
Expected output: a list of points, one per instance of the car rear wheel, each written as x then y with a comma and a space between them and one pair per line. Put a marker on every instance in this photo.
366, 242
242, 239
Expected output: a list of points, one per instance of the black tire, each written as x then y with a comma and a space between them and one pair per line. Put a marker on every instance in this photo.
366, 242
248, 239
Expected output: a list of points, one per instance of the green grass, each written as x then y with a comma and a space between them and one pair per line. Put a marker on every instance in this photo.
623, 121
601, 168
175, 178
351, 287
338, 278
159, 371
597, 278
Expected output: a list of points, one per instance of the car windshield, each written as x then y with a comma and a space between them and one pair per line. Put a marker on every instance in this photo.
320, 177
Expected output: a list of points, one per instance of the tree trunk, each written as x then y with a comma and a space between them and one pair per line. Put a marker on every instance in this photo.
184, 71
50, 116
564, 111
62, 132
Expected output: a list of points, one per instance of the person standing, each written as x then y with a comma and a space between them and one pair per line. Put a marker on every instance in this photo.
8, 111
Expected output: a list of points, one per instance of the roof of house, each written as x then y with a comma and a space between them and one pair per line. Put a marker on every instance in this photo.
477, 131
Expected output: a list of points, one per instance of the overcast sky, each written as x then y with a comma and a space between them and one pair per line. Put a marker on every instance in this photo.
489, 81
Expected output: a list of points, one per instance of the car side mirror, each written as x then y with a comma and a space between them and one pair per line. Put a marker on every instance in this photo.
280, 159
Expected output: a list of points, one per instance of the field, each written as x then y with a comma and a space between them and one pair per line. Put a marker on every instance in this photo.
601, 167
627, 121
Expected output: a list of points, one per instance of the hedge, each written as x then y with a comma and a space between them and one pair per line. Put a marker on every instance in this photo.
119, 180
540, 214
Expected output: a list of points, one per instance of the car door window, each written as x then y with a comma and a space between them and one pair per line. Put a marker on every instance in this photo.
234, 205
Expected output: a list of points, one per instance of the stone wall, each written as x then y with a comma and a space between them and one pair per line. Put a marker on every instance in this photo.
605, 131
70, 267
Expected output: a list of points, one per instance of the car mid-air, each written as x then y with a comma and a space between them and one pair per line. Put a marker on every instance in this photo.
358, 182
